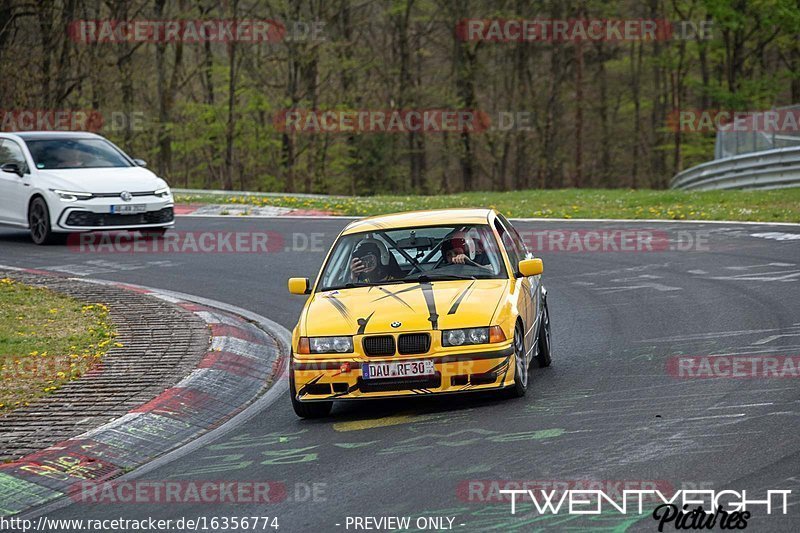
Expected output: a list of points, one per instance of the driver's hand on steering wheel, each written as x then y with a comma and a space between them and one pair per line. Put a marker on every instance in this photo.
459, 259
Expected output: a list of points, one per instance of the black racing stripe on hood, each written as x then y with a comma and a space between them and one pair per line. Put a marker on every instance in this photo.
362, 323
401, 291
390, 294
459, 299
430, 300
339, 307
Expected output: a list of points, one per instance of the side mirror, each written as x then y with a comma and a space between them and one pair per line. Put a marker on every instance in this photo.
140, 162
299, 286
531, 267
12, 168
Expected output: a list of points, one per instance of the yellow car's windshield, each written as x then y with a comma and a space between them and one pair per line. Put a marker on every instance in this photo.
429, 253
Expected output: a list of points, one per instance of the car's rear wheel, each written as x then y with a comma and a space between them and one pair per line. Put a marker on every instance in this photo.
543, 357
39, 224
307, 409
520, 386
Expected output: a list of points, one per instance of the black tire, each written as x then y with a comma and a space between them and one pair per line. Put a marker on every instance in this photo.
308, 409
39, 223
521, 367
544, 340
155, 233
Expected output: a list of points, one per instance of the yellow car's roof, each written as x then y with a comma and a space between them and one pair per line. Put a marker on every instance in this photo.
419, 218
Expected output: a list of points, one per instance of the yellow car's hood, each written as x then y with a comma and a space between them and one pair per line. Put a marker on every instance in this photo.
452, 304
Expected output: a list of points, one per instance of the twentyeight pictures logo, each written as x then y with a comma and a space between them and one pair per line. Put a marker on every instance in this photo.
684, 509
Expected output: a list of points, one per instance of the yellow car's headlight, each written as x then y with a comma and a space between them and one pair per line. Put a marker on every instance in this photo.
309, 345
462, 337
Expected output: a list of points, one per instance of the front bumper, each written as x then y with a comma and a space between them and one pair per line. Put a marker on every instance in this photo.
95, 214
324, 379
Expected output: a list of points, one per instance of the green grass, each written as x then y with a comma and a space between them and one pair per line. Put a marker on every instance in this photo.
46, 340
762, 206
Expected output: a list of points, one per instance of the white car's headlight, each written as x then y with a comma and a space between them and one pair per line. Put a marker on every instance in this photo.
71, 196
162, 193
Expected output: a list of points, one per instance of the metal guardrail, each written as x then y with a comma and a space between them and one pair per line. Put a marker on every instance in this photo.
216, 192
769, 169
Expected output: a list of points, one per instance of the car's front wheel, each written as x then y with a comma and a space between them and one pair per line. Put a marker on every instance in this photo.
39, 224
543, 357
520, 386
307, 409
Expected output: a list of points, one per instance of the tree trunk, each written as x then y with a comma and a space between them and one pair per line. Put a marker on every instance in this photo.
231, 124
636, 72
578, 179
658, 112
465, 67
166, 96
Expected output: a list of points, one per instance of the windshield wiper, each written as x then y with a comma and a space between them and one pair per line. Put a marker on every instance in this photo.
441, 277
351, 285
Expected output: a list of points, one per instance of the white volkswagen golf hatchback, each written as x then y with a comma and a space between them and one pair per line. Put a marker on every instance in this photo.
55, 183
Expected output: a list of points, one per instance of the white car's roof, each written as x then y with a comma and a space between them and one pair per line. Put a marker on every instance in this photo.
51, 135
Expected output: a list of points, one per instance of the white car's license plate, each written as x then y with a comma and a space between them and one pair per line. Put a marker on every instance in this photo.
398, 369
128, 209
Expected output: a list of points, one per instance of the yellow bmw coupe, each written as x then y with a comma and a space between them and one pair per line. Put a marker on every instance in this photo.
427, 302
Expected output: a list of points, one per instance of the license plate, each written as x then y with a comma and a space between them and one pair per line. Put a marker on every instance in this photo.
397, 369
128, 209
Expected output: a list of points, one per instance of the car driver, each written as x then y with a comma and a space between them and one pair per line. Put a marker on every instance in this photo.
366, 267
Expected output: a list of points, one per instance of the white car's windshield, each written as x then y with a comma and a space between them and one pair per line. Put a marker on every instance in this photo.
413, 254
75, 153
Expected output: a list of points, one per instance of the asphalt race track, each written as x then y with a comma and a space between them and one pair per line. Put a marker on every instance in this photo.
607, 410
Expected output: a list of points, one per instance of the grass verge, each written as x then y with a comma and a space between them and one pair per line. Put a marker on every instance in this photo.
760, 206
46, 340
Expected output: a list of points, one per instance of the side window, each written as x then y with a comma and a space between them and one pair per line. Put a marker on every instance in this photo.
523, 250
508, 244
10, 152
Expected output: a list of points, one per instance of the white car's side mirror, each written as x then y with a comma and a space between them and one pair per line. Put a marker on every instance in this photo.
12, 168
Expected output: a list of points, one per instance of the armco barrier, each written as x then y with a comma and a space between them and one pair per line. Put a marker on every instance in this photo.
221, 193
770, 169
